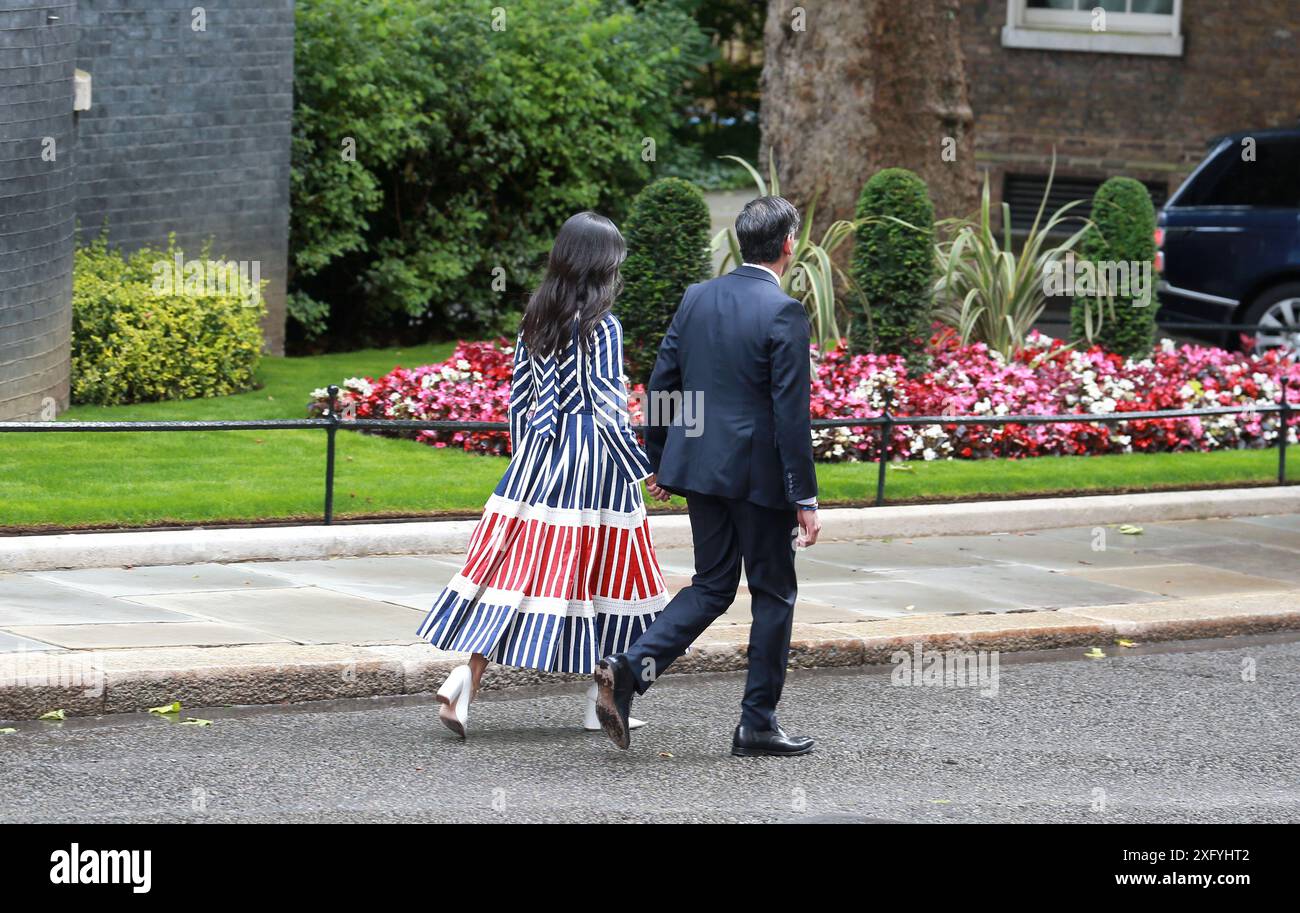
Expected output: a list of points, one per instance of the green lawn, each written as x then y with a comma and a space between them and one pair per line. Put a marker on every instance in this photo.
137, 479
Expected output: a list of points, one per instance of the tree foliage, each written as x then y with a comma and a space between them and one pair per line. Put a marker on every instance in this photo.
439, 144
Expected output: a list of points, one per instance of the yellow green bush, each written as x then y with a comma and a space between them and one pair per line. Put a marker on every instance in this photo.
139, 336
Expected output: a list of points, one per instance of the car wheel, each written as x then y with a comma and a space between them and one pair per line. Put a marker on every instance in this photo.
1277, 312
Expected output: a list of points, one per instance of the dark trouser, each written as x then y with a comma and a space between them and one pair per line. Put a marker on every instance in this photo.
725, 531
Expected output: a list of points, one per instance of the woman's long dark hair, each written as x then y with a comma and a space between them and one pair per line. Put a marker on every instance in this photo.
582, 280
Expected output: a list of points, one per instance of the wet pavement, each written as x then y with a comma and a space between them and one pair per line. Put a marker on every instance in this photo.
381, 600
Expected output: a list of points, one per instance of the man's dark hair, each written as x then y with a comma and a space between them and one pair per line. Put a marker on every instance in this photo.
762, 227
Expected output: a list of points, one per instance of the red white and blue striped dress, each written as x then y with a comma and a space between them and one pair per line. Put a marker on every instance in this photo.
561, 569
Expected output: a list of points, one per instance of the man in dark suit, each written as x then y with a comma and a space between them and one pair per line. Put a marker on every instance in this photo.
737, 347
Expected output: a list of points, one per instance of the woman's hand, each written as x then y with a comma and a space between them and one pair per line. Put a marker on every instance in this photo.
652, 487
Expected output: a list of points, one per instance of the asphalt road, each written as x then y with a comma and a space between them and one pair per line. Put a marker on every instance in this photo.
1156, 734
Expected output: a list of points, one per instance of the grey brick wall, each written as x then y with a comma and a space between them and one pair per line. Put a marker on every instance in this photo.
37, 205
189, 131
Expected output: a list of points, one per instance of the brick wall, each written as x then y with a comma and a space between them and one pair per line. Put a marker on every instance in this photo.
37, 206
1146, 117
189, 131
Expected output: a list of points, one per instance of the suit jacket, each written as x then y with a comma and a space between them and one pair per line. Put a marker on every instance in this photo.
738, 348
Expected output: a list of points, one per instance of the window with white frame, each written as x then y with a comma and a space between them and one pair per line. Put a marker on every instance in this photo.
1105, 26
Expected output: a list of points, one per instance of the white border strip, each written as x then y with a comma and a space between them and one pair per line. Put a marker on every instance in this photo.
290, 543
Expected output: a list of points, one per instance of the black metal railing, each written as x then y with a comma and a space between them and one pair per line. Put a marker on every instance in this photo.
887, 421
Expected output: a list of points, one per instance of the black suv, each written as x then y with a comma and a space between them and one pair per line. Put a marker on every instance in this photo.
1229, 241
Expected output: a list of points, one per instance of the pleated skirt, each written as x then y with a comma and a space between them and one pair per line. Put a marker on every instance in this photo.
561, 568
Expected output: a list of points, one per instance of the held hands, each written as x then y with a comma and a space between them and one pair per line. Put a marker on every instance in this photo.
652, 487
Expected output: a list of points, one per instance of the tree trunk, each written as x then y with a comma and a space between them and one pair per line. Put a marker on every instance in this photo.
865, 85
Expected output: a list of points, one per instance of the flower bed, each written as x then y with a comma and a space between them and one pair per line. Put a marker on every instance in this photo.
473, 385
1043, 379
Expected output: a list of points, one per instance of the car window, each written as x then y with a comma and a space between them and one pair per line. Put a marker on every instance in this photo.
1272, 180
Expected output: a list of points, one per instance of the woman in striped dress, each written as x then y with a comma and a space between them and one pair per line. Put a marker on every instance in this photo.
561, 570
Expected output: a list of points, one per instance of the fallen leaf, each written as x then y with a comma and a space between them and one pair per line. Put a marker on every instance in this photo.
192, 721
1095, 653
665, 754
7, 730
173, 707
54, 715
1129, 529
1124, 643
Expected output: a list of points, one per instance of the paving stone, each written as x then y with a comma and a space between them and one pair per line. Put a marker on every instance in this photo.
116, 636
880, 596
813, 572
1153, 536
1245, 558
139, 581
306, 615
407, 580
1240, 604
1261, 534
739, 634
25, 600
1180, 580
1282, 521
11, 643
873, 555
1041, 551
679, 561
1025, 587
807, 608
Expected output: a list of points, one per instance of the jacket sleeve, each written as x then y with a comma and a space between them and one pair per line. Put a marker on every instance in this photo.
609, 401
665, 378
521, 394
791, 383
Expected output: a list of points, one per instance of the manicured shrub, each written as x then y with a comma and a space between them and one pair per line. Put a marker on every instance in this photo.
893, 265
667, 250
438, 145
143, 330
1124, 222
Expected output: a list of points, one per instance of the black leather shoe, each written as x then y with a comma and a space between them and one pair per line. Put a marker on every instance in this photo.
752, 743
614, 680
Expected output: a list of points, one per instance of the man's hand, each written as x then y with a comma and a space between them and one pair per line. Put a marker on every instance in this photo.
652, 486
810, 524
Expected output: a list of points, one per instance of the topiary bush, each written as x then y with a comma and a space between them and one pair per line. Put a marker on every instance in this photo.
1122, 231
438, 145
144, 331
893, 266
667, 250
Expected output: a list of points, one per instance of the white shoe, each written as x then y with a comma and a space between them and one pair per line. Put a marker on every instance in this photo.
591, 722
454, 695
